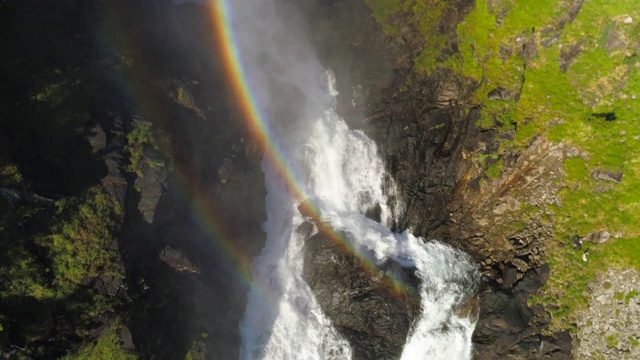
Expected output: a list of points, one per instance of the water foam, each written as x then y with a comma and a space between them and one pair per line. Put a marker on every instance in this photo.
341, 171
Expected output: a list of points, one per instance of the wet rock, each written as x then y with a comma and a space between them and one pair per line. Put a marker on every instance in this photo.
184, 96
14, 196
177, 260
509, 277
309, 210
509, 329
374, 213
359, 299
470, 308
607, 175
305, 229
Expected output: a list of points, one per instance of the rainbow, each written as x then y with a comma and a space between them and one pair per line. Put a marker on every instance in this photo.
258, 125
195, 191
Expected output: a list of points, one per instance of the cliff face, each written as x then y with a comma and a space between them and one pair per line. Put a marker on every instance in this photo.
476, 107
363, 306
117, 218
427, 129
510, 136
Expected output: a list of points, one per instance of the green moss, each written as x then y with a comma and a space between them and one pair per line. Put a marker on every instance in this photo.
197, 351
80, 243
139, 139
634, 342
475, 42
485, 121
517, 226
106, 348
494, 171
612, 341
561, 107
180, 94
632, 294
10, 175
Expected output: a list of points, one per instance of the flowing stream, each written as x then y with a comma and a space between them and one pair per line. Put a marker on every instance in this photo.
341, 171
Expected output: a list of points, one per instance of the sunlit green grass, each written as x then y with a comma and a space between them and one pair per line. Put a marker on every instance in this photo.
559, 106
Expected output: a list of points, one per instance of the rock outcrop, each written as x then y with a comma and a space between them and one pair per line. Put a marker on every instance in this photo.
509, 328
425, 128
359, 297
177, 260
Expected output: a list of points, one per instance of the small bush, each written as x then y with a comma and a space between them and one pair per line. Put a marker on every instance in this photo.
106, 348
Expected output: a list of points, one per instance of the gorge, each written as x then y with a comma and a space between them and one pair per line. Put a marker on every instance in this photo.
319, 179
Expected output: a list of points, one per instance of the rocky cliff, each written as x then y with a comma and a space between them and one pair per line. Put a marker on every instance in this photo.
510, 136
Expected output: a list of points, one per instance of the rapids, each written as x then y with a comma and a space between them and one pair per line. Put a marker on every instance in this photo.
340, 170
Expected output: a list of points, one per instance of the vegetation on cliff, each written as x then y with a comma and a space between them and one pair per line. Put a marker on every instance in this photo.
567, 71
61, 275
107, 347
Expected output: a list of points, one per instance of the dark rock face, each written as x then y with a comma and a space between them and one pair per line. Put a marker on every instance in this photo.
198, 133
360, 300
508, 328
425, 128
177, 260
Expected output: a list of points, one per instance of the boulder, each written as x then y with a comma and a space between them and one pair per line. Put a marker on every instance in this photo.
114, 183
597, 237
359, 298
309, 210
177, 260
509, 329
607, 175
151, 182
126, 339
96, 137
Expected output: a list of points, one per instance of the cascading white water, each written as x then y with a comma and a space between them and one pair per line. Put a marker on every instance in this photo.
341, 171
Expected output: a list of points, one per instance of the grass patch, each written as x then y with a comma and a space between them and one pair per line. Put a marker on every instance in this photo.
594, 106
80, 244
107, 347
139, 139
612, 340
495, 171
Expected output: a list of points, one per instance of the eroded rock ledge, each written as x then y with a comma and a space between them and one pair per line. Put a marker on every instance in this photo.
361, 301
425, 128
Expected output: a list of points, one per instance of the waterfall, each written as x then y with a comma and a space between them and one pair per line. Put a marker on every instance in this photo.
340, 170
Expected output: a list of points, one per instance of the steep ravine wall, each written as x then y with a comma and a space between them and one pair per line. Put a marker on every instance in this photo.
426, 129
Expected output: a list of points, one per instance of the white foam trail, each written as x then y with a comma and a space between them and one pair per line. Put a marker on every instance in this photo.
340, 169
